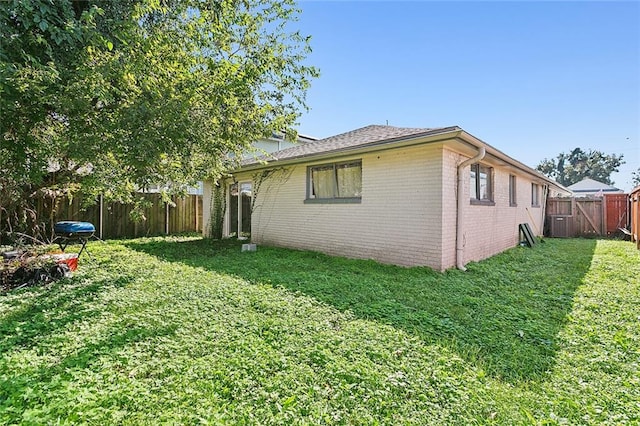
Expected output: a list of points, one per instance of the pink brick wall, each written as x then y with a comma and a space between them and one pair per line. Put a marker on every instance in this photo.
407, 215
398, 220
489, 230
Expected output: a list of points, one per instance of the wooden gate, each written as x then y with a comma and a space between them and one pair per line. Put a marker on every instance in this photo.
587, 217
616, 212
589, 220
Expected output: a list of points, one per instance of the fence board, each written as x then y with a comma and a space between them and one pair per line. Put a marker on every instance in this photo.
559, 207
587, 217
186, 216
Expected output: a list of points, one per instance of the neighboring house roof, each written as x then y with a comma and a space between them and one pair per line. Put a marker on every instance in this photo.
589, 186
306, 139
301, 138
380, 137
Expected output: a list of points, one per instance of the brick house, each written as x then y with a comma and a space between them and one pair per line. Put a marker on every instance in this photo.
389, 194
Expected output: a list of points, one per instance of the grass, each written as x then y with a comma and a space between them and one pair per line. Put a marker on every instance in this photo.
188, 331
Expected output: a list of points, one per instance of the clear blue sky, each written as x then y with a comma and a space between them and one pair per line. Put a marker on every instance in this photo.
532, 79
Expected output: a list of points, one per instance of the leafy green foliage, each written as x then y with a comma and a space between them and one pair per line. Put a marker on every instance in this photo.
185, 330
105, 97
577, 165
218, 208
635, 177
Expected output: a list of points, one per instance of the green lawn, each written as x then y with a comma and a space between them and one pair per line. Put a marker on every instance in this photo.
188, 331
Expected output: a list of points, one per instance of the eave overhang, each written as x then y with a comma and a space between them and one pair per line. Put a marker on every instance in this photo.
454, 136
439, 135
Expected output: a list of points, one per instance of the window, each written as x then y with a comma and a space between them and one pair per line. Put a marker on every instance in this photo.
513, 199
481, 185
336, 182
535, 195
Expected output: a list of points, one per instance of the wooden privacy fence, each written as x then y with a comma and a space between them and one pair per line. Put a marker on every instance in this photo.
113, 220
587, 217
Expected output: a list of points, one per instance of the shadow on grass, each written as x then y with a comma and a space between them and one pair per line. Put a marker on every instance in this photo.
16, 384
46, 313
37, 317
503, 315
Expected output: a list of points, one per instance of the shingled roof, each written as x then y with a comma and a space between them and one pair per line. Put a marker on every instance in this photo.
369, 135
374, 136
589, 185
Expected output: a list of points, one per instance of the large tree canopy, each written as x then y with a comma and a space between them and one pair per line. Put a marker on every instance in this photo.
577, 165
108, 96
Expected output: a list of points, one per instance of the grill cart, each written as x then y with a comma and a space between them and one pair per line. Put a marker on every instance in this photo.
68, 232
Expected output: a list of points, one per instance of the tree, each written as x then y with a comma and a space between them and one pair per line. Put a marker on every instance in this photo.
577, 165
104, 97
635, 178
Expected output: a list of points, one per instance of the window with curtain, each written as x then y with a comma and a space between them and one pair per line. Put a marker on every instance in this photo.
336, 181
322, 178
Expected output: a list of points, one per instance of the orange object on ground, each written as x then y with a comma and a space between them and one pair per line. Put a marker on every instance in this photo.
70, 259
71, 263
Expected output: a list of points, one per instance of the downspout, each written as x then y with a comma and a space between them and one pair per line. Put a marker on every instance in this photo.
461, 204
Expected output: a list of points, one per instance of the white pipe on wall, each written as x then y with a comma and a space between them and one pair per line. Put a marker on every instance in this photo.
459, 210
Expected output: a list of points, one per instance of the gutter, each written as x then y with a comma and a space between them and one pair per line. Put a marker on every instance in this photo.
471, 140
459, 213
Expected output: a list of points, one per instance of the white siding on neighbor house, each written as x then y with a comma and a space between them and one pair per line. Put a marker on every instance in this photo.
272, 145
398, 220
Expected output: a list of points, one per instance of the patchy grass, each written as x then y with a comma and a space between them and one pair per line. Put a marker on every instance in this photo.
184, 330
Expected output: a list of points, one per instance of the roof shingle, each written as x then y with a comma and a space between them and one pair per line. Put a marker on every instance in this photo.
372, 134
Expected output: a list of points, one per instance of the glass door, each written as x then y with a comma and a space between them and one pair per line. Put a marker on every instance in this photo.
244, 216
240, 198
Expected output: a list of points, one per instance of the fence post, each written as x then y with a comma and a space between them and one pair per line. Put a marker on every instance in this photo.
166, 218
100, 214
604, 218
195, 200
